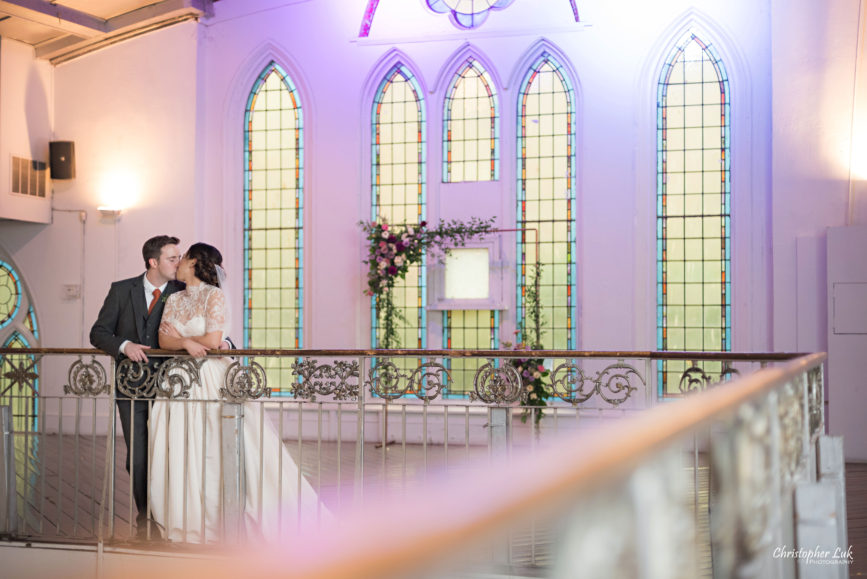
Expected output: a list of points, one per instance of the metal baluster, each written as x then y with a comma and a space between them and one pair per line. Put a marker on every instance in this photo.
446, 437
319, 464
339, 455
204, 470
359, 436
76, 453
403, 444
93, 464
300, 463
60, 466
282, 409
111, 445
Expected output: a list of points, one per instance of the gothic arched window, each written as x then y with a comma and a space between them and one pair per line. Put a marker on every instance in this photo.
274, 220
471, 126
398, 189
546, 202
693, 206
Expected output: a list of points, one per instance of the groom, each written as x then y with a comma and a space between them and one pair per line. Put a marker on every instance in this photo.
128, 326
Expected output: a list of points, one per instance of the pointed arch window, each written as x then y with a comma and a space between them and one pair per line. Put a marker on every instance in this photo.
398, 191
274, 219
546, 199
18, 329
471, 126
693, 206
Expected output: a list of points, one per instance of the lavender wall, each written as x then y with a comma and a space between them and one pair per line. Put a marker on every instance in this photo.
167, 109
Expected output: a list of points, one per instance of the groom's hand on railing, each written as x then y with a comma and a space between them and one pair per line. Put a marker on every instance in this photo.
136, 352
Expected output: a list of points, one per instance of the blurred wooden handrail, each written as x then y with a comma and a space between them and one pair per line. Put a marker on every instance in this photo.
401, 537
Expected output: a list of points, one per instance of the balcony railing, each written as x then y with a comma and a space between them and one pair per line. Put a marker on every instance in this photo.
360, 424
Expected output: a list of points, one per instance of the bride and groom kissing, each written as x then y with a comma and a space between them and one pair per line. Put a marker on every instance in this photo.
179, 304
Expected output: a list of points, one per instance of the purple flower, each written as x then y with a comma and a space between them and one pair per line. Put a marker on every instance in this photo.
392, 238
392, 270
399, 246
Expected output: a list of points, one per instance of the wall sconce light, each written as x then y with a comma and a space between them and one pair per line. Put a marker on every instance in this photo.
109, 212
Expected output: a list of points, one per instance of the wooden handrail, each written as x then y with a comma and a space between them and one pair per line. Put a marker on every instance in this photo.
388, 538
624, 354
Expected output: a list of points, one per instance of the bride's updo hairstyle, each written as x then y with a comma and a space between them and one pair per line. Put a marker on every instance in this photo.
207, 259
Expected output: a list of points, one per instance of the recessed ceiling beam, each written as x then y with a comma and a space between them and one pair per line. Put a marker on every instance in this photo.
55, 16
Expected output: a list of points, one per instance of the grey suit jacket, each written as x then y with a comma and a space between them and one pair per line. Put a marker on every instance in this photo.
124, 316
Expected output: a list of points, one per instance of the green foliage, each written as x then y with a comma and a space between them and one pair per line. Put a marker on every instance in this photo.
392, 250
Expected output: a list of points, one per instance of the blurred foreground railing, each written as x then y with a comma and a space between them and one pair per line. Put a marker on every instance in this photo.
360, 424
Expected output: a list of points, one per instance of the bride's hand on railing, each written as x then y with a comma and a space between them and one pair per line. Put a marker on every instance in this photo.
195, 349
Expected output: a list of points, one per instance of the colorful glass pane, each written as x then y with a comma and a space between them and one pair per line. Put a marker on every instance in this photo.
10, 293
274, 221
30, 323
21, 396
693, 206
546, 198
398, 189
470, 126
467, 13
468, 330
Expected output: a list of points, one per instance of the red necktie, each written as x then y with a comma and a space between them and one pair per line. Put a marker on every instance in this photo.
154, 301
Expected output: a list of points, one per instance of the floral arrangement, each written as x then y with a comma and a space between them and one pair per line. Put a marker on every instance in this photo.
532, 370
393, 249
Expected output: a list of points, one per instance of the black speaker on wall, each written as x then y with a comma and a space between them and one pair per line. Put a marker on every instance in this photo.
62, 155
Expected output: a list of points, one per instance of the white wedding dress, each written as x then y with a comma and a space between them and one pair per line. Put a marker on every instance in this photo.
185, 489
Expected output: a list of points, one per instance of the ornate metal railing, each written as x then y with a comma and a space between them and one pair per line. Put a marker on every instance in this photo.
367, 399
620, 504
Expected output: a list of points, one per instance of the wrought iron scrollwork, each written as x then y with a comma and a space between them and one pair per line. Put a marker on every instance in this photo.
815, 395
498, 385
326, 379
86, 378
791, 416
136, 379
695, 379
245, 382
614, 383
177, 376
426, 382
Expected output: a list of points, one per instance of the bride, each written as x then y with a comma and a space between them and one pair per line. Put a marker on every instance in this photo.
185, 435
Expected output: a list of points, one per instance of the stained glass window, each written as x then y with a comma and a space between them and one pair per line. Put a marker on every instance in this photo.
10, 293
17, 317
693, 206
398, 188
468, 330
274, 220
470, 126
30, 322
467, 13
19, 396
546, 198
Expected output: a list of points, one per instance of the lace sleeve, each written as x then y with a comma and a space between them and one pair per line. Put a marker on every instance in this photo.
170, 314
215, 312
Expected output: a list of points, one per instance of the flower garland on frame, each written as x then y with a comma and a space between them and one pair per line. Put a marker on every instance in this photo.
393, 249
532, 370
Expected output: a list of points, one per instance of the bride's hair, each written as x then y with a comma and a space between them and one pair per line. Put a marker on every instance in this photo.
207, 259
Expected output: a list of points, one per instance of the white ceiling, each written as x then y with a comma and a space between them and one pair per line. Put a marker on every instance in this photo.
60, 30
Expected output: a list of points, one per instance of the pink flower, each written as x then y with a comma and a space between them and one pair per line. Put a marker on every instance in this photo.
385, 226
541, 368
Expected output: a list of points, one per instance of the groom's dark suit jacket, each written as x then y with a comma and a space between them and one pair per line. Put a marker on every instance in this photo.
124, 316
